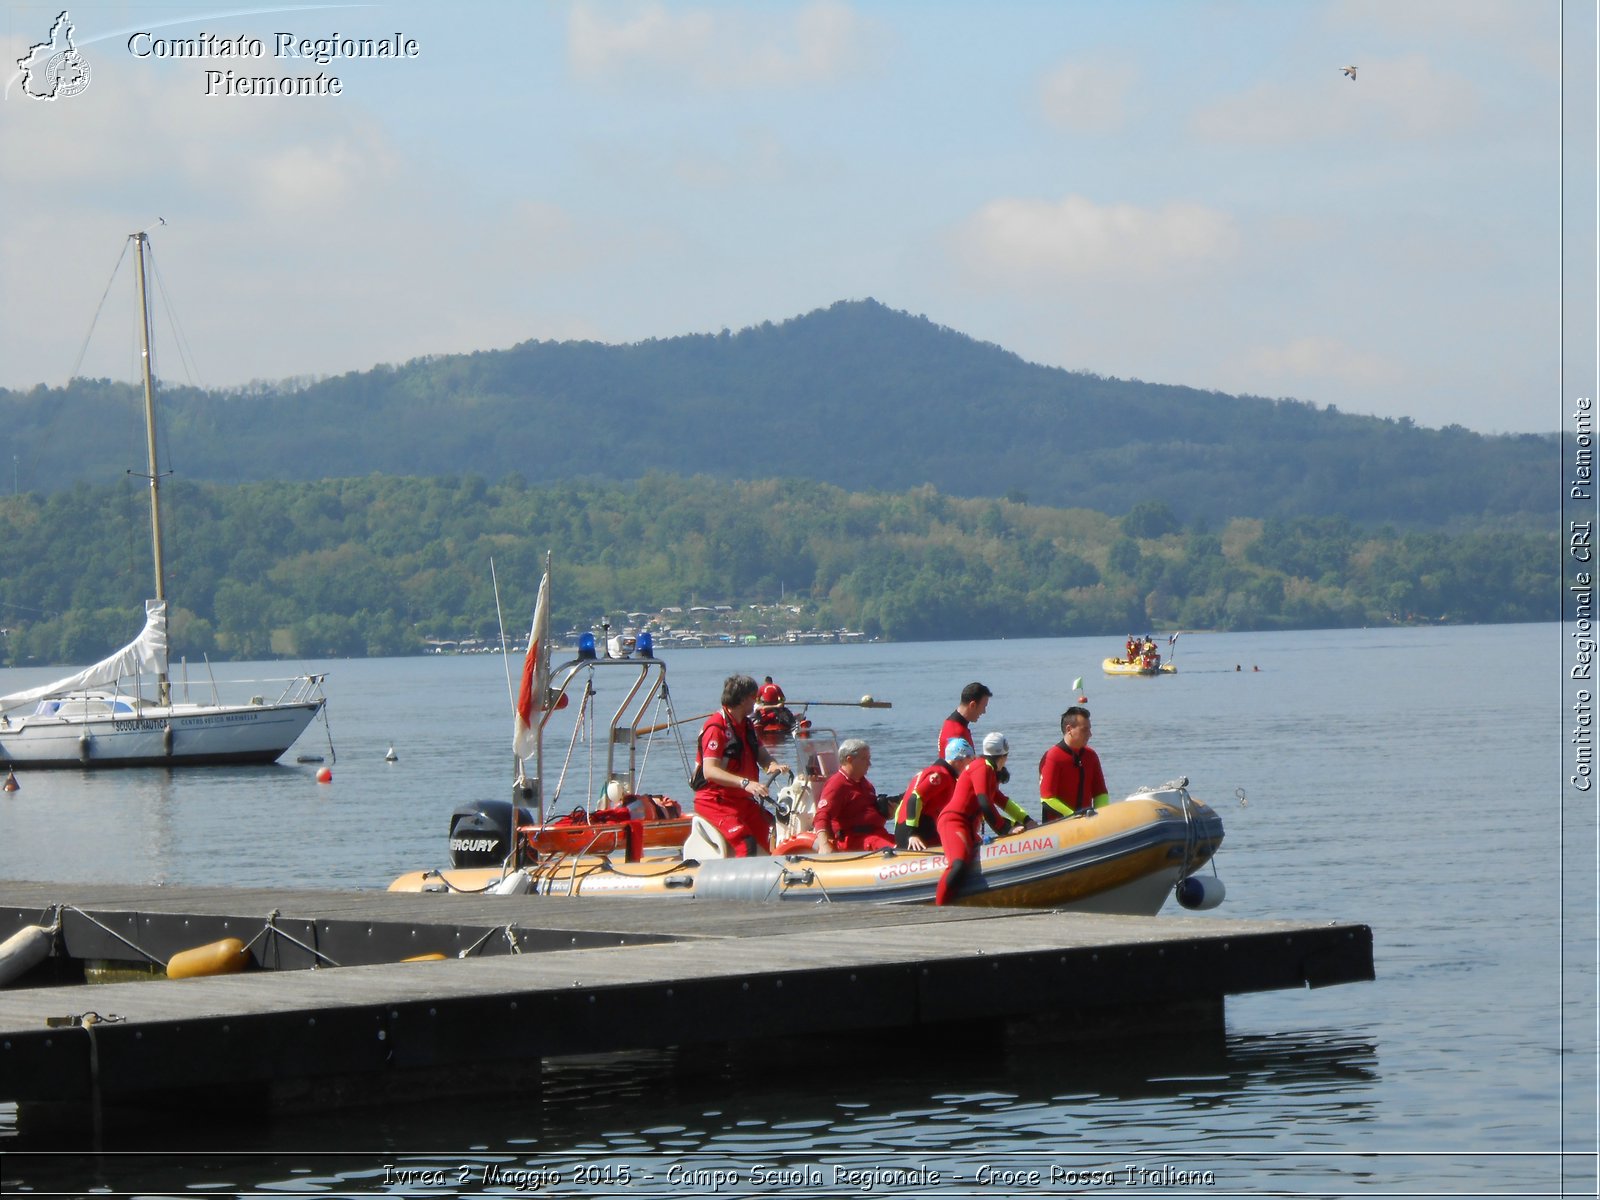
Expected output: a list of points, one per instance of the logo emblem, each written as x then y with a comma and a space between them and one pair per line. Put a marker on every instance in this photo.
55, 69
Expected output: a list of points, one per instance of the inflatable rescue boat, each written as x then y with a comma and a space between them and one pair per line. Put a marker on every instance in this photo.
1121, 666
1127, 858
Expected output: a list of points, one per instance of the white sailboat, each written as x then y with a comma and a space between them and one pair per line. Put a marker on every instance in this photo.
121, 711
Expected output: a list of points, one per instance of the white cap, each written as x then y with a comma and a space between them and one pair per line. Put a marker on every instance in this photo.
995, 744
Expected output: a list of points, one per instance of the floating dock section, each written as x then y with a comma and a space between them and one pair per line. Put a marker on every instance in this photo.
328, 1014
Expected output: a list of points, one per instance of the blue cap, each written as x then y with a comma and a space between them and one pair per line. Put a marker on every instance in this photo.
957, 748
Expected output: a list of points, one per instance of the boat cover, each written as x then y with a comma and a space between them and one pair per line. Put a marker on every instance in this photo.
146, 653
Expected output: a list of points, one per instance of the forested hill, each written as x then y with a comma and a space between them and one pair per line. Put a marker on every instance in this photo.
857, 395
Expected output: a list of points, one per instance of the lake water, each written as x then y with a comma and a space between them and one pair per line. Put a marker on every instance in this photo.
1409, 779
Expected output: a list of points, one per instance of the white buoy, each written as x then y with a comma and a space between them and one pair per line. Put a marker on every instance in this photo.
518, 883
1200, 892
391, 756
24, 950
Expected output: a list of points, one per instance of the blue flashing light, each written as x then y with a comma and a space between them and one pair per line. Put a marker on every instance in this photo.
586, 645
645, 645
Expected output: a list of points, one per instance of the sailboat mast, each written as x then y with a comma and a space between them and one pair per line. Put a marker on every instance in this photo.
164, 693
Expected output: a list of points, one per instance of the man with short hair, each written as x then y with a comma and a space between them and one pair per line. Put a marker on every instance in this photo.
974, 703
1070, 778
847, 815
728, 766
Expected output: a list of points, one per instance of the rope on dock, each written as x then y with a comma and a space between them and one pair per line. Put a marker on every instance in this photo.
272, 927
107, 929
510, 932
86, 1021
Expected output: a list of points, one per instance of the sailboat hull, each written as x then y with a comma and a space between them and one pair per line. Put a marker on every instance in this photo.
200, 735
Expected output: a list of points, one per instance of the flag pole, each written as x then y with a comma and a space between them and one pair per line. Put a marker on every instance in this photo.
542, 679
533, 699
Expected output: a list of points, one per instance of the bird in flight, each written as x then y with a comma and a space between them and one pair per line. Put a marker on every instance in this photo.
1350, 71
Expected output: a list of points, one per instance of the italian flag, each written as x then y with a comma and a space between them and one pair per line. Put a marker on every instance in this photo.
535, 673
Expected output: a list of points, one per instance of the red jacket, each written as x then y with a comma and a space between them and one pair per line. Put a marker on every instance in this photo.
977, 779
847, 811
735, 751
1075, 781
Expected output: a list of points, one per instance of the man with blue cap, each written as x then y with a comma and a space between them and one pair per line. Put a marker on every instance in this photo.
916, 819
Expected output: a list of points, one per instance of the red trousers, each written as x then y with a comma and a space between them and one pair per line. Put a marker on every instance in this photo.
960, 844
742, 821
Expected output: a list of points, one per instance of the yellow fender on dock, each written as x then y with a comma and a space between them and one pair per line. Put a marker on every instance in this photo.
227, 957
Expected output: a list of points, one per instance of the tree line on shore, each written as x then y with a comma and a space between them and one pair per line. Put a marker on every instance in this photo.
376, 565
860, 394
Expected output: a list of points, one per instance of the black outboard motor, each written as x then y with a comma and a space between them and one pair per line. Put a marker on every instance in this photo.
480, 833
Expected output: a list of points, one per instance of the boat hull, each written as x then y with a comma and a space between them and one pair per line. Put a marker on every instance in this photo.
1125, 858
201, 735
1120, 666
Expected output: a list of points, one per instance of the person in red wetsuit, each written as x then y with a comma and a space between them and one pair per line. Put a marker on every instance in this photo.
974, 703
1070, 778
847, 811
916, 819
774, 719
728, 768
977, 797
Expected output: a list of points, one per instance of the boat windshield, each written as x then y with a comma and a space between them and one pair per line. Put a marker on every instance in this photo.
82, 706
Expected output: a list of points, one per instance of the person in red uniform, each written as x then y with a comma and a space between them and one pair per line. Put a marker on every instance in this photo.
1070, 778
773, 717
977, 797
916, 819
728, 767
847, 811
974, 703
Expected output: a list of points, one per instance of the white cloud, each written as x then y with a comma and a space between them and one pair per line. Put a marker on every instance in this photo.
1317, 359
1497, 21
1023, 240
718, 49
1086, 97
1404, 97
748, 156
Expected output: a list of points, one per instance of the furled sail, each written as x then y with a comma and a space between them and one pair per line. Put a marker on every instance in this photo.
147, 653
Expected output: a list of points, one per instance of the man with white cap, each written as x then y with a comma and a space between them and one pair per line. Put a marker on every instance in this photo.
977, 796
916, 819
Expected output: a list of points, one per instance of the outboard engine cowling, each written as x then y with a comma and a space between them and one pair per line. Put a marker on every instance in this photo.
480, 834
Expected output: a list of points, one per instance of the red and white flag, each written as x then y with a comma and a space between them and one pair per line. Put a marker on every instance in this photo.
535, 673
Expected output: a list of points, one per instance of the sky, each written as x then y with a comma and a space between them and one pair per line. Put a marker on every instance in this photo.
1177, 191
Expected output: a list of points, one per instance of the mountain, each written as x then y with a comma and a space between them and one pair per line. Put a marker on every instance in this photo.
857, 395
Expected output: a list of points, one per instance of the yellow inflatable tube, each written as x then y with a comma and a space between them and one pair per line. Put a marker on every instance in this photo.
226, 957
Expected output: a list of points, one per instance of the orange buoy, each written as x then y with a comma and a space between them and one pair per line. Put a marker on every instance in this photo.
11, 784
325, 775
434, 957
226, 957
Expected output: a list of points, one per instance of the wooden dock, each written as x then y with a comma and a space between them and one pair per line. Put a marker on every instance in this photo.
336, 1018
